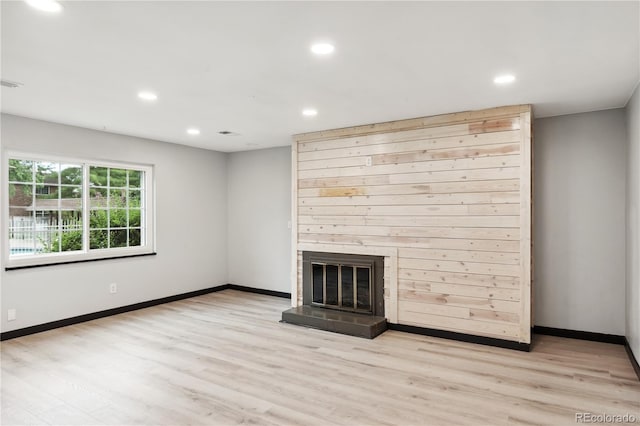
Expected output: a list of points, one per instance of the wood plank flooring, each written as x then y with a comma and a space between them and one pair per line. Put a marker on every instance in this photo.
224, 359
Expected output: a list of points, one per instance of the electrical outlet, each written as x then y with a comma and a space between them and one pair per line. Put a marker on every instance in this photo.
113, 288
368, 161
12, 314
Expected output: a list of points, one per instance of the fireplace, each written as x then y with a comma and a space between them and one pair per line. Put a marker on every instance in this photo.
342, 293
345, 282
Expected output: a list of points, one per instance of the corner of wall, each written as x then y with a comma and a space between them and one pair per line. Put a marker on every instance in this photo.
632, 290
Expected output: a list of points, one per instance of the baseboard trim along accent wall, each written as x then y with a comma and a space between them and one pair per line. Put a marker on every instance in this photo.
462, 337
128, 308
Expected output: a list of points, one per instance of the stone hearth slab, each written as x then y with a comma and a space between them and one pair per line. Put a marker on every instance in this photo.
359, 325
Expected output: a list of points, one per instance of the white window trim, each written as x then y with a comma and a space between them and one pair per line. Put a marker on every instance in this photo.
86, 254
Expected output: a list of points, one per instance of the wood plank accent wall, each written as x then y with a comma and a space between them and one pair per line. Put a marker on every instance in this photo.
446, 199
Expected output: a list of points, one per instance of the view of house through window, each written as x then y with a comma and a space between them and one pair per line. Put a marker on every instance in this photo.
60, 207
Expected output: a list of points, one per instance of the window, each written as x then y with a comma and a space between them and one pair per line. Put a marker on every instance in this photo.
43, 189
66, 210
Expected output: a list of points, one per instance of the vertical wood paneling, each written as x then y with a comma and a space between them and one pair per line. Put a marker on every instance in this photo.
446, 200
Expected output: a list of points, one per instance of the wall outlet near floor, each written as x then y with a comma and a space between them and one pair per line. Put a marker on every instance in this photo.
12, 314
113, 288
368, 161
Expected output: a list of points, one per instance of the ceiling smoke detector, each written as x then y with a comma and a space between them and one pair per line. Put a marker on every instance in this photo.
10, 84
227, 133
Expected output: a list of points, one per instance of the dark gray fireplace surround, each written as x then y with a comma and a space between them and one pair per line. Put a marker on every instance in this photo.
343, 293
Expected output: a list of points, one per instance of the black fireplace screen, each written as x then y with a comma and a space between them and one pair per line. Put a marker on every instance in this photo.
343, 286
346, 282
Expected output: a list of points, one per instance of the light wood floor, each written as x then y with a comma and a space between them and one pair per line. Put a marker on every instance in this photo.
225, 359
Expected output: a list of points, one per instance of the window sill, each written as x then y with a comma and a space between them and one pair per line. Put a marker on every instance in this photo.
68, 262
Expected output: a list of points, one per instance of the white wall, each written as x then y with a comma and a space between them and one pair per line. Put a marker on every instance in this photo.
579, 221
259, 208
633, 223
191, 223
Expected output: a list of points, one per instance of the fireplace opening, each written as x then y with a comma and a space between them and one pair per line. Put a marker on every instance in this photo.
342, 286
345, 282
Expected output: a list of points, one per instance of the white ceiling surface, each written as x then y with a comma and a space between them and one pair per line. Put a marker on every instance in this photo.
246, 67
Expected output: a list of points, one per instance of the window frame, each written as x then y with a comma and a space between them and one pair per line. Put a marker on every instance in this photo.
86, 254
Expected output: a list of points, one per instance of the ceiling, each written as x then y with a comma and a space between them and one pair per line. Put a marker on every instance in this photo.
246, 67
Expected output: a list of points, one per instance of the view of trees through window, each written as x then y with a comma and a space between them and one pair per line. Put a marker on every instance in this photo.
46, 207
115, 204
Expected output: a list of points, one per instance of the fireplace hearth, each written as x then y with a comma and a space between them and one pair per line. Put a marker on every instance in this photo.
343, 293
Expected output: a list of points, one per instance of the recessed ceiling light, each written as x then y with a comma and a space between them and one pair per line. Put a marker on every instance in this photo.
45, 5
504, 79
193, 131
309, 112
322, 48
147, 96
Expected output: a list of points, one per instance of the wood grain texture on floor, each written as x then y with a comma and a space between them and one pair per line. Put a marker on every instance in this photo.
225, 359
